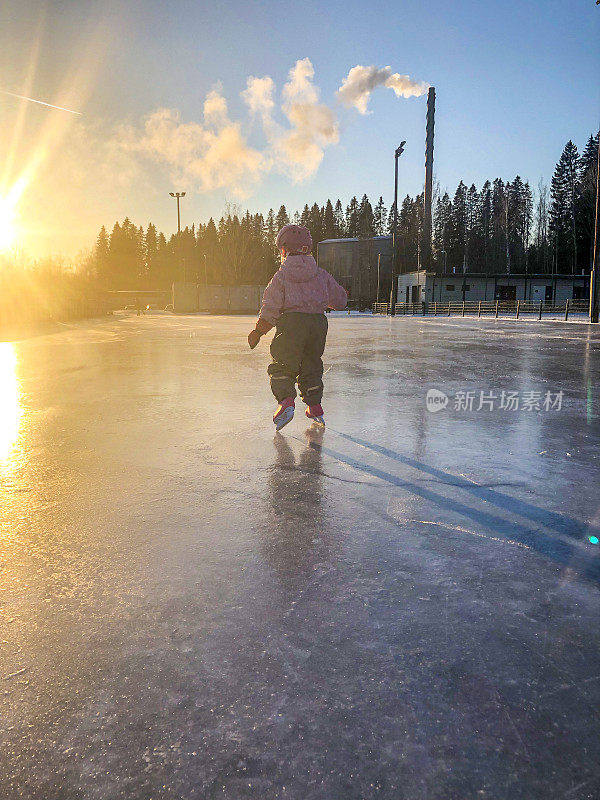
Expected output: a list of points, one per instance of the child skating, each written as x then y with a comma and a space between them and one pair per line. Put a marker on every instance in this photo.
294, 303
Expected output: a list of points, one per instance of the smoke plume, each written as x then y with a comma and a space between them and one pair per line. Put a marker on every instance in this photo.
313, 125
358, 85
214, 153
258, 96
296, 150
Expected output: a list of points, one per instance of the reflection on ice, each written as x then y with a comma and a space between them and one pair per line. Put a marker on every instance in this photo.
10, 401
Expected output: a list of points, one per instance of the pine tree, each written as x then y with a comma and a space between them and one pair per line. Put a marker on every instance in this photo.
541, 253
474, 233
115, 247
390, 222
270, 235
315, 225
352, 218
366, 228
270, 231
101, 255
150, 255
329, 229
499, 260
520, 205
142, 266
340, 220
586, 205
526, 220
380, 218
457, 251
124, 255
441, 231
410, 229
564, 193
282, 218
210, 245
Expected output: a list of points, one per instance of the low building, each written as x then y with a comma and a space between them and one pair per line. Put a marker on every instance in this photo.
419, 286
362, 266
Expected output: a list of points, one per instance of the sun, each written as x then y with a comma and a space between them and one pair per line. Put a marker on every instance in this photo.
8, 231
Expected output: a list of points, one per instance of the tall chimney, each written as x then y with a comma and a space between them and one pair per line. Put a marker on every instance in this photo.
426, 259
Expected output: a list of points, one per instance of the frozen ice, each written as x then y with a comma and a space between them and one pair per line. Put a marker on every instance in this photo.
402, 605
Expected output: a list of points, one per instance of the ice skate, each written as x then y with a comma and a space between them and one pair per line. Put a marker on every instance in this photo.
284, 413
315, 414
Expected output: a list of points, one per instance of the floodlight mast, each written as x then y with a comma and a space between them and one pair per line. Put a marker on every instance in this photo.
398, 152
177, 195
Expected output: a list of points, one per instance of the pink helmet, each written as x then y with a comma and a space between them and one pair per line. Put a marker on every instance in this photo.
294, 238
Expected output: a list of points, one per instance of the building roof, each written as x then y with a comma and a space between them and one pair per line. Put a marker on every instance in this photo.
509, 275
354, 239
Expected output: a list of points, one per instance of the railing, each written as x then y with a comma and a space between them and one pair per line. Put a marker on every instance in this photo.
482, 308
380, 308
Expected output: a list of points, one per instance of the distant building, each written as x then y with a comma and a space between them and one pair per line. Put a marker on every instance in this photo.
417, 286
354, 263
362, 266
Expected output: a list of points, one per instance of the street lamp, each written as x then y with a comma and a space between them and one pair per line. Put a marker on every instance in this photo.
444, 252
177, 195
398, 152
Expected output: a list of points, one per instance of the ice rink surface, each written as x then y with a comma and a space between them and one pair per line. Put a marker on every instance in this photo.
405, 606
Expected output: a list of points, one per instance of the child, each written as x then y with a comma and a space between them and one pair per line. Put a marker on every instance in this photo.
295, 302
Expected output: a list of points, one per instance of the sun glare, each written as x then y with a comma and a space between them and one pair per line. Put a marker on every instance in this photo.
7, 223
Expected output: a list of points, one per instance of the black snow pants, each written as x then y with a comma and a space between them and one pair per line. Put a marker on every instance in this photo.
296, 350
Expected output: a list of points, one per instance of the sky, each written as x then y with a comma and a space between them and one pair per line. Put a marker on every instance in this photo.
240, 103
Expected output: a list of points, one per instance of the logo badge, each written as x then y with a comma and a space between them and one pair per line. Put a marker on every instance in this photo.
436, 400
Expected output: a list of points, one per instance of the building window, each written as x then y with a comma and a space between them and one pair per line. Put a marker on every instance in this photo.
449, 287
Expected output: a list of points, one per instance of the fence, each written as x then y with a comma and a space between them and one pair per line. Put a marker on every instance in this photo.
189, 298
32, 299
482, 308
380, 308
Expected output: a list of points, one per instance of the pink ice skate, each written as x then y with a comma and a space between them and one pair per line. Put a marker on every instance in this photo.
315, 414
284, 413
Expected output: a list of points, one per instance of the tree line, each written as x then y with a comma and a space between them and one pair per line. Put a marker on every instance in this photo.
238, 249
501, 227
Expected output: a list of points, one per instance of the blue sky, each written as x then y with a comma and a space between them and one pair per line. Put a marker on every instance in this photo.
514, 81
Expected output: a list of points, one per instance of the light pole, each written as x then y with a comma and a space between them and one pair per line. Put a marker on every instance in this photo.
205, 272
397, 154
444, 252
177, 195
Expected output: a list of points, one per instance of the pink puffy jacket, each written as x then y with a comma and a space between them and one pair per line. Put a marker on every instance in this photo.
300, 285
